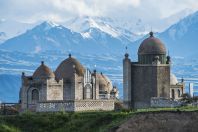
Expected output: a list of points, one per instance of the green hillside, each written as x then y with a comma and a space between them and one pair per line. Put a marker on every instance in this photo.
73, 122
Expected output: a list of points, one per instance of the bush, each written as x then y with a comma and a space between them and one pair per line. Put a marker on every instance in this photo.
119, 106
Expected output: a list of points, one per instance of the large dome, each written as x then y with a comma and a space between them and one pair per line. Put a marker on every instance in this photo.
173, 79
152, 46
105, 84
67, 67
43, 71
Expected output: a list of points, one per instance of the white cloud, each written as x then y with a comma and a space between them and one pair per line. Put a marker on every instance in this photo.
61, 10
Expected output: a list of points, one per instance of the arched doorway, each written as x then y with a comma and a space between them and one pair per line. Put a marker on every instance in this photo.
179, 93
35, 95
173, 93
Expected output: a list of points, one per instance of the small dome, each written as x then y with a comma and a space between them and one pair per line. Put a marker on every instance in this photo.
68, 67
173, 79
105, 84
43, 71
152, 46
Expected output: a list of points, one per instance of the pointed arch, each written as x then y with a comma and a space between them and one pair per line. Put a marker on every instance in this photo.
35, 95
173, 94
178, 93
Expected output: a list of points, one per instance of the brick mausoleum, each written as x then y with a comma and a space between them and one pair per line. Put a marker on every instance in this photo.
70, 88
150, 76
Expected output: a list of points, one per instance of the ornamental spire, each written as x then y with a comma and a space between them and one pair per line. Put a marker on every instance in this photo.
69, 55
151, 34
126, 54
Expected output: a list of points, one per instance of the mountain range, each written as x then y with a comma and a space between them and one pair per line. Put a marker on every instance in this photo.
95, 42
50, 36
182, 37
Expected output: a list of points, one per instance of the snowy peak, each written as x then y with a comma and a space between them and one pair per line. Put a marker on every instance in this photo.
50, 24
181, 38
95, 33
45, 36
51, 36
47, 25
185, 26
104, 27
83, 24
114, 28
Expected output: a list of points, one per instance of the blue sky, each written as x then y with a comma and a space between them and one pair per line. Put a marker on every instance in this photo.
61, 10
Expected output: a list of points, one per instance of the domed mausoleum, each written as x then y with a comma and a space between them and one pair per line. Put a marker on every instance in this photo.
150, 76
72, 87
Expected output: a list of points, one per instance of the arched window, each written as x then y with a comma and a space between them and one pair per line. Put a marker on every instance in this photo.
173, 93
35, 95
178, 92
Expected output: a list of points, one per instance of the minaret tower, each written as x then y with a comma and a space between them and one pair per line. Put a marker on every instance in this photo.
127, 80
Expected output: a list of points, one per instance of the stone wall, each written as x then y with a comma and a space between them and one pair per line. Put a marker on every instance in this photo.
163, 81
54, 89
149, 80
78, 105
144, 85
163, 102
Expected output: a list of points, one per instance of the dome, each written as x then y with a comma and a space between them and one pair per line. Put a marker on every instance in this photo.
67, 68
104, 83
152, 46
43, 71
173, 79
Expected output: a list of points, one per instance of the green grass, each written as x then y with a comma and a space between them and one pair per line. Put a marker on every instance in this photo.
73, 122
6, 128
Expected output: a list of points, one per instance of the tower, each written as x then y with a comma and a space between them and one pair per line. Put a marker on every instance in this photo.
149, 77
127, 81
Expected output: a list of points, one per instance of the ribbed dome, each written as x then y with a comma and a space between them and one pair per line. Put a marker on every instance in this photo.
152, 46
173, 79
105, 84
43, 71
67, 68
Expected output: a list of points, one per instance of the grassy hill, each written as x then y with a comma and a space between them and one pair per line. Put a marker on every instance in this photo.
74, 122
61, 122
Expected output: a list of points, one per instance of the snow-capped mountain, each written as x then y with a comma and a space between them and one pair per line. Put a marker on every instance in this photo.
115, 28
51, 36
165, 22
81, 24
181, 38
